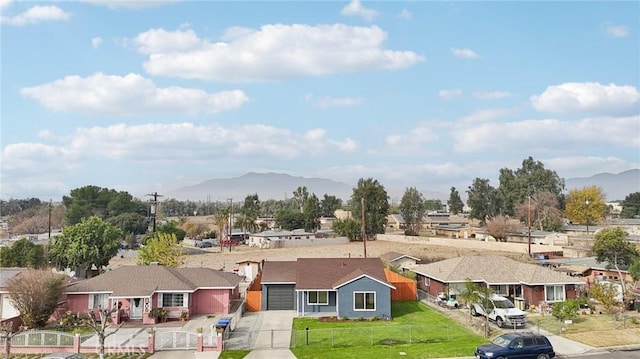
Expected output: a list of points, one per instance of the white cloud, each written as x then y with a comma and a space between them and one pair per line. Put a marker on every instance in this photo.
577, 97
405, 14
35, 15
154, 142
448, 94
464, 53
491, 95
129, 95
133, 4
414, 143
355, 8
159, 41
583, 166
617, 30
485, 115
549, 135
325, 102
273, 52
96, 41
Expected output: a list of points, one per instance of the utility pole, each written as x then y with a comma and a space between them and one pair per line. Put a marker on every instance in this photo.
529, 223
230, 221
154, 208
364, 228
50, 206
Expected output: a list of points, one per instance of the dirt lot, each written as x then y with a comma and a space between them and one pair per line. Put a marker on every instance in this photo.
225, 260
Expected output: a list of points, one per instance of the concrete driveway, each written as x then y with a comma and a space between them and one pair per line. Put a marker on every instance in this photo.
267, 334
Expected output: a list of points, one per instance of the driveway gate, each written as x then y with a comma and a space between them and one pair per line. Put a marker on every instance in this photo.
175, 340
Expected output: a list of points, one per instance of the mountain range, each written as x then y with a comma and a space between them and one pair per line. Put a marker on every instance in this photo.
281, 186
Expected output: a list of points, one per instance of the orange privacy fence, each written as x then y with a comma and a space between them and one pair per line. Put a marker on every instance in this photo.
253, 296
406, 289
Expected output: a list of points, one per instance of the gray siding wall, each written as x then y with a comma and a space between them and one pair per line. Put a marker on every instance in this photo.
346, 303
309, 309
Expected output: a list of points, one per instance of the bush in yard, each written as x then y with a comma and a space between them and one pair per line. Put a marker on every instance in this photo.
35, 294
566, 310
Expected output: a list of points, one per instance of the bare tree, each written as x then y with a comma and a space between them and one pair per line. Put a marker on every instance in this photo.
36, 294
6, 333
100, 325
500, 226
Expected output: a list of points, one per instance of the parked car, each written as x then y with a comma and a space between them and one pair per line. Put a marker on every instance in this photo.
517, 345
499, 310
204, 244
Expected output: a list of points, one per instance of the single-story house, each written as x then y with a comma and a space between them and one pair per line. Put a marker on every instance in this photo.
454, 231
267, 239
342, 287
398, 260
136, 290
524, 283
7, 310
249, 269
589, 269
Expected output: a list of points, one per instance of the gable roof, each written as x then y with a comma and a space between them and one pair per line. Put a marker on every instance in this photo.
141, 281
394, 256
279, 272
492, 269
8, 273
331, 273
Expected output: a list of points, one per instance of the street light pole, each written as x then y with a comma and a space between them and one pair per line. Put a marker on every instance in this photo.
586, 213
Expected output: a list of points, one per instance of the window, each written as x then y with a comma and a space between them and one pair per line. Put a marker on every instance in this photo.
554, 293
172, 299
364, 301
427, 281
99, 301
318, 298
501, 290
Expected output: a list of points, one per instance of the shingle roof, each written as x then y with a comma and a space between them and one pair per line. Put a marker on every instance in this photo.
492, 269
145, 280
279, 272
8, 273
329, 273
392, 256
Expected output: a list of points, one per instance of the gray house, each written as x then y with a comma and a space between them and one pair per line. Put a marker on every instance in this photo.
343, 287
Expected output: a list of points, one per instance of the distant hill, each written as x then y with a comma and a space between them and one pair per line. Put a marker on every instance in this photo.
614, 186
266, 185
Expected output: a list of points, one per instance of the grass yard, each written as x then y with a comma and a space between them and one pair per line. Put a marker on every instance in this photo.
233, 354
416, 331
598, 330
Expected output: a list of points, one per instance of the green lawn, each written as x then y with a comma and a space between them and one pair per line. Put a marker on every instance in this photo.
416, 331
233, 354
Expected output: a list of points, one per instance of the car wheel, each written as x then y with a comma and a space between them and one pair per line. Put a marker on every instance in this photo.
499, 322
473, 311
543, 356
500, 358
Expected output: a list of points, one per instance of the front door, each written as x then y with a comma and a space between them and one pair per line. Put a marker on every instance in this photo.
136, 308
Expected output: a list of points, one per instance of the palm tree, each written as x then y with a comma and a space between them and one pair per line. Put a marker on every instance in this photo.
470, 295
221, 221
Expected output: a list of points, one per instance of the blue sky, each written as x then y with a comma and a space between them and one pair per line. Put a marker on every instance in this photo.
155, 95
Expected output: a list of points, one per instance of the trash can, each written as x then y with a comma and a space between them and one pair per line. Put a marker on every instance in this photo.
223, 326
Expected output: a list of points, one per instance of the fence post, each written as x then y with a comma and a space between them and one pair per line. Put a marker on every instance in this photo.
371, 335
199, 343
307, 340
332, 337
410, 338
76, 343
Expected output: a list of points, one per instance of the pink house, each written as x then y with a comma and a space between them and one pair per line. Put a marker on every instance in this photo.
137, 290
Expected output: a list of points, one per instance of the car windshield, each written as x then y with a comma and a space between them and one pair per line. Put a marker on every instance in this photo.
503, 304
501, 341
